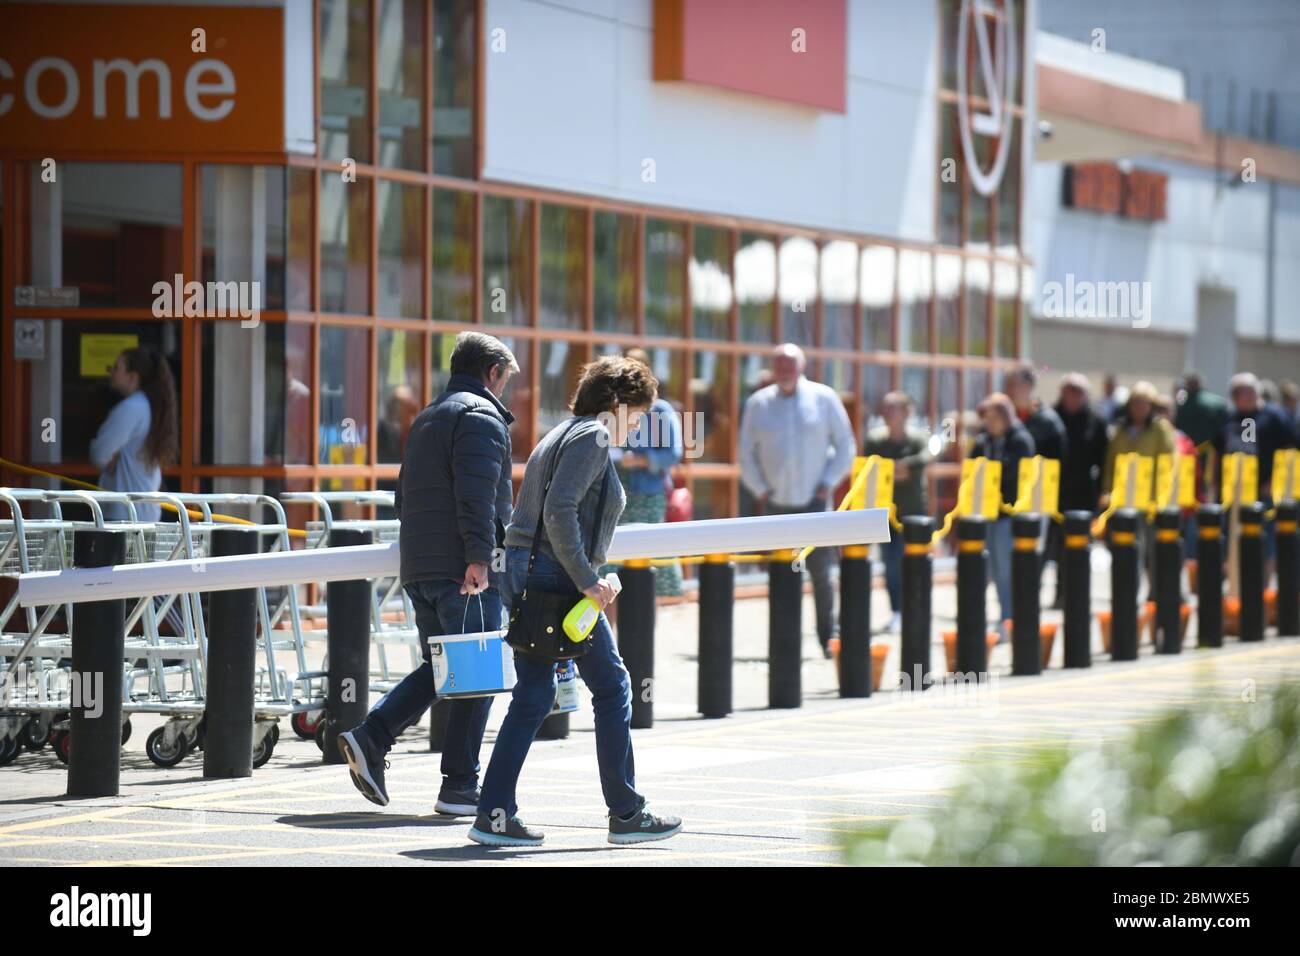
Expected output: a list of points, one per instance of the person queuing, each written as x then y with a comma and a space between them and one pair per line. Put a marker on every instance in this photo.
1139, 430
1050, 441
1085, 453
910, 450
796, 445
583, 502
1201, 414
140, 434
645, 467
1004, 439
453, 500
1258, 429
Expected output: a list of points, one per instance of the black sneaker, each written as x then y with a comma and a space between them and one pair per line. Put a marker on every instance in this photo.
643, 828
457, 803
513, 833
367, 764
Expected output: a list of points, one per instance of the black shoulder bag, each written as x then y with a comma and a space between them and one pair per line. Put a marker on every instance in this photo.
537, 619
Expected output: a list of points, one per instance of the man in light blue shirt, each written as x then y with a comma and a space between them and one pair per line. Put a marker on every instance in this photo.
796, 445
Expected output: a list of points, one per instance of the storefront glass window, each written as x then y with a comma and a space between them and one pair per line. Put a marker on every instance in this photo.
947, 283
344, 244
109, 231
915, 283
665, 276
798, 289
876, 278
401, 250
839, 289
977, 306
345, 80
1004, 305
453, 256
563, 267
69, 392
398, 390
756, 286
401, 78
506, 240
455, 67
712, 428
344, 395
561, 363
614, 273
711, 293
244, 212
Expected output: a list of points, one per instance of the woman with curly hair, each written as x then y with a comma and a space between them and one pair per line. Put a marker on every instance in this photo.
583, 502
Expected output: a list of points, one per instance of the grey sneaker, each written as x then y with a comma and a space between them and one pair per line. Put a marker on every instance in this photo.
366, 763
457, 803
513, 833
643, 828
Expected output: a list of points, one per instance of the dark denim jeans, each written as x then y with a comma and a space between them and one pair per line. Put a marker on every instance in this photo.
611, 692
440, 608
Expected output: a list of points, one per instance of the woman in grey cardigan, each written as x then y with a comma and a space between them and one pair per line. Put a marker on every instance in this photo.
585, 494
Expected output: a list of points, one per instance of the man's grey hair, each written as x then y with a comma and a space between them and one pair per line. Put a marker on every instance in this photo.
478, 353
1244, 380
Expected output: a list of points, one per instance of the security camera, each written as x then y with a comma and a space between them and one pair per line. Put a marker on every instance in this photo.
1045, 130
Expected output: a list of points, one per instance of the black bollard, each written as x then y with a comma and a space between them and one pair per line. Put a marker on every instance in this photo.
1168, 584
554, 727
98, 639
784, 631
1209, 576
972, 582
1123, 530
232, 662
1288, 569
855, 622
1076, 571
918, 578
1250, 563
348, 620
636, 637
1026, 645
717, 602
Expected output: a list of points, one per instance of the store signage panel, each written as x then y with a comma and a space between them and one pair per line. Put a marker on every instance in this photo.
793, 52
1106, 188
110, 78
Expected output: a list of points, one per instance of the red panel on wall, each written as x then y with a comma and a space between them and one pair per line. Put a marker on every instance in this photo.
777, 49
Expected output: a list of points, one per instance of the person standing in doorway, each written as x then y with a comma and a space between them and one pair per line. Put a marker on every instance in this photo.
141, 433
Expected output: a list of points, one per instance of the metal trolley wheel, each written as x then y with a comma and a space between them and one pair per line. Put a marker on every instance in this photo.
305, 722
162, 755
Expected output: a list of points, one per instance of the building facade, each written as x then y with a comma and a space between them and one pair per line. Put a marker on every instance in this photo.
701, 179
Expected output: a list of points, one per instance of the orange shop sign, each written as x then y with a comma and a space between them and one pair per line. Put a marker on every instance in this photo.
107, 77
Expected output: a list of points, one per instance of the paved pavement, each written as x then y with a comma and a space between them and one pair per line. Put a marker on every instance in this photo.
761, 787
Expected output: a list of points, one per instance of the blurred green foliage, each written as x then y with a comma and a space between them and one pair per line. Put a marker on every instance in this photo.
1213, 785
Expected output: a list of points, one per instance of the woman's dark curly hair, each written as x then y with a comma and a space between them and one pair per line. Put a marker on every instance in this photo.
612, 381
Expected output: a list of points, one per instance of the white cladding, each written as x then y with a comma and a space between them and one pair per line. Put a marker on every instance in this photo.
1216, 235
571, 104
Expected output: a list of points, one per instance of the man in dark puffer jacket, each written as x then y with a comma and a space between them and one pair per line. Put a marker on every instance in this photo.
453, 499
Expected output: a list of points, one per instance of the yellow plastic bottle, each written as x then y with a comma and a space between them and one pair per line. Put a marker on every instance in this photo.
579, 622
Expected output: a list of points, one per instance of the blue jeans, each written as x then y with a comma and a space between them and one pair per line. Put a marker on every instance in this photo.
611, 696
891, 555
440, 608
999, 548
